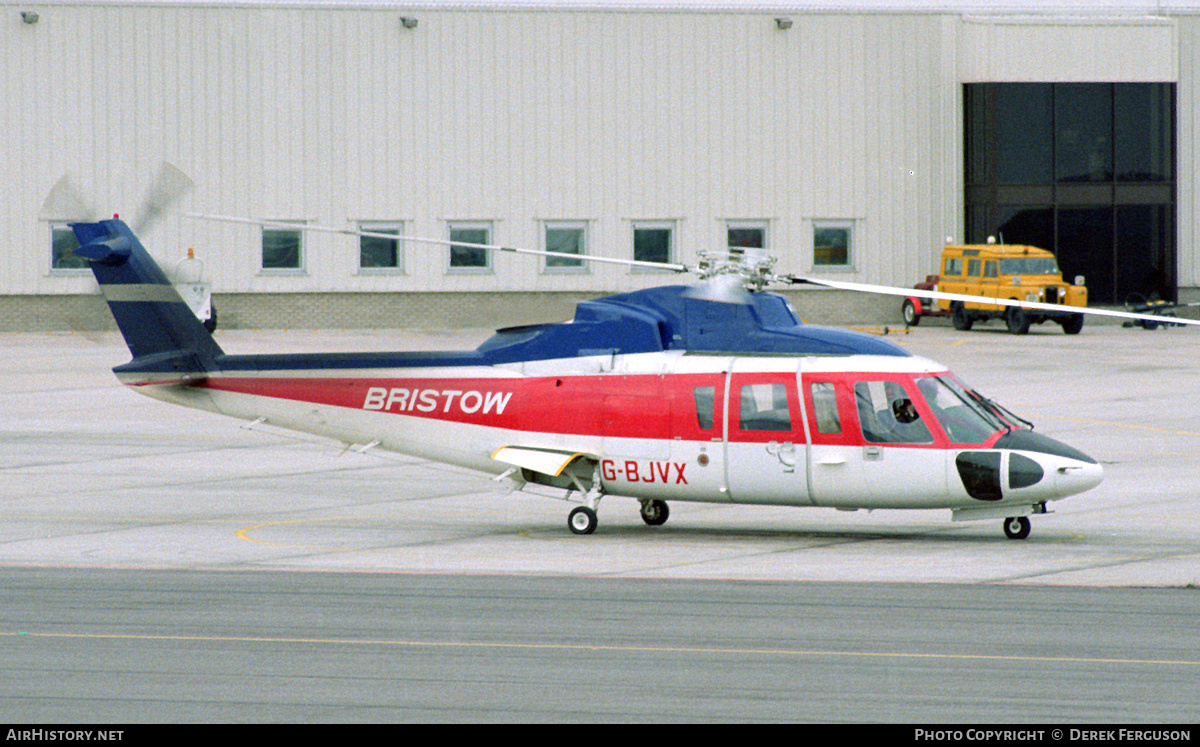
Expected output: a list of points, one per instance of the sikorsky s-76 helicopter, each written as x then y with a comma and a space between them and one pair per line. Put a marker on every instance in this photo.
710, 392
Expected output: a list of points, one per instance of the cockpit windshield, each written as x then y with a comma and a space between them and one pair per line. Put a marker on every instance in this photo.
964, 419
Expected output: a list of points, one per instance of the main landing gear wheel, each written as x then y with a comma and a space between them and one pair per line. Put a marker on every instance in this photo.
655, 513
1016, 527
582, 520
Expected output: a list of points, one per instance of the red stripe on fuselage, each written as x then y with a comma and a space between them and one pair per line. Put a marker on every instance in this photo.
626, 406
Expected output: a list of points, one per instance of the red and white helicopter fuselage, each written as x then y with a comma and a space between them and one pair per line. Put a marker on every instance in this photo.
674, 426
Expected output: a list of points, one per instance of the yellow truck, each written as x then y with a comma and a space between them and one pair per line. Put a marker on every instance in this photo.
1024, 273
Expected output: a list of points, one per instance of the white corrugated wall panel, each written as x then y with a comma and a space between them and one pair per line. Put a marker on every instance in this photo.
338, 115
1079, 49
1187, 124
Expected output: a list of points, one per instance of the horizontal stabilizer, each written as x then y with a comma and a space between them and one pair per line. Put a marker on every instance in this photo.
546, 461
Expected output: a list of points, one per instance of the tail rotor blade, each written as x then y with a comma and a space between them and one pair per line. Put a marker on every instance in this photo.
67, 202
170, 185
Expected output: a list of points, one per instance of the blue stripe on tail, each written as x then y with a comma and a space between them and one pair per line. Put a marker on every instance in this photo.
163, 334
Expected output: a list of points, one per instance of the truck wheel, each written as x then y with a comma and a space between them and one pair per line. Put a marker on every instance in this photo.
960, 317
1018, 320
1073, 324
909, 310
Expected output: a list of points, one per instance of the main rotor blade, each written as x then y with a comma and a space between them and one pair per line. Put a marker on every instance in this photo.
443, 242
1035, 305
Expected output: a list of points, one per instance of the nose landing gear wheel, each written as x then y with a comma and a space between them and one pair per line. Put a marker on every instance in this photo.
655, 513
1016, 527
582, 520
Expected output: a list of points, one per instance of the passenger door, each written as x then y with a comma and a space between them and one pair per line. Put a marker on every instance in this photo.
991, 283
766, 460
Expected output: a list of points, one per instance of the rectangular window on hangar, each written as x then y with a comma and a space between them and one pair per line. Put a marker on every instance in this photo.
565, 237
653, 241
63, 260
467, 254
283, 247
833, 244
741, 235
381, 247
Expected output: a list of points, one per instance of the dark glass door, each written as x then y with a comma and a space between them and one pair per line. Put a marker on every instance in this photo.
1083, 169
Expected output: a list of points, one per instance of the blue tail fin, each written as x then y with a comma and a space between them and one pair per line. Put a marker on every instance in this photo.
163, 334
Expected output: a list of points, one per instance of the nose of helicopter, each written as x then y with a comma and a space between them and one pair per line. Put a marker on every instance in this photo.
1072, 470
1077, 476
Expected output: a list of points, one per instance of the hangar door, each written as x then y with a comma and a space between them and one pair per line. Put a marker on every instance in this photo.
1086, 170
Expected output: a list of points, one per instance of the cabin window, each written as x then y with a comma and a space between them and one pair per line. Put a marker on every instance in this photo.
963, 418
989, 269
382, 251
470, 258
825, 408
887, 415
706, 397
764, 407
973, 268
953, 266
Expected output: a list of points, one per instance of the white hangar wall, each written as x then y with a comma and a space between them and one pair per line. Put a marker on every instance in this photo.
1187, 123
335, 115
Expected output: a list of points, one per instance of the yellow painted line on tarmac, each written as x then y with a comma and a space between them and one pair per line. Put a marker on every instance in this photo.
813, 653
1172, 431
1109, 423
244, 534
934, 343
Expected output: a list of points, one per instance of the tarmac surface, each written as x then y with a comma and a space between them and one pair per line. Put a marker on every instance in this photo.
164, 564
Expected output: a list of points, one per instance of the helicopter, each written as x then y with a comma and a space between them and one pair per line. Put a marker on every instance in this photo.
711, 392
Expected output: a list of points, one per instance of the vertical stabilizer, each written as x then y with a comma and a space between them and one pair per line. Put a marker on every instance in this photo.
163, 334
